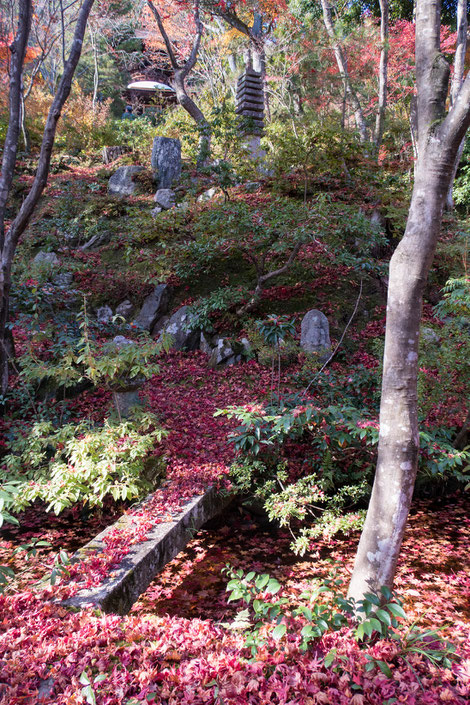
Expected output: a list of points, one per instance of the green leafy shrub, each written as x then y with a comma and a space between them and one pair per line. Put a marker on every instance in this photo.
203, 311
136, 134
81, 463
112, 364
337, 478
309, 151
264, 233
324, 609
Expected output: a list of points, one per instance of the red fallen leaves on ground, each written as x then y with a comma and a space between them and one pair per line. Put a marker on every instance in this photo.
171, 649
157, 655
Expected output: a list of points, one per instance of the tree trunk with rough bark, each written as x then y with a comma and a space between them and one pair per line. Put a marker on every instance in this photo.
383, 73
439, 137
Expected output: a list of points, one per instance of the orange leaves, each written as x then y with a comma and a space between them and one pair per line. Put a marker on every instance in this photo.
178, 23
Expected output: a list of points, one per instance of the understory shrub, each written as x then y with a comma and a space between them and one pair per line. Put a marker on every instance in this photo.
324, 609
335, 479
79, 463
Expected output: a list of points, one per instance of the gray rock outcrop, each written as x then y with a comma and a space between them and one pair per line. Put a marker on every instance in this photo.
64, 280
46, 259
104, 314
429, 335
315, 333
166, 161
121, 183
209, 194
223, 354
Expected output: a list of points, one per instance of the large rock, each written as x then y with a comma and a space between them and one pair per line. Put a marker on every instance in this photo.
125, 309
223, 354
46, 259
154, 307
315, 333
178, 326
104, 314
165, 198
121, 183
166, 161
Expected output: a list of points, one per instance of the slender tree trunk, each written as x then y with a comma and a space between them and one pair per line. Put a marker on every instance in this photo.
10, 149
457, 79
439, 137
383, 70
24, 129
397, 462
9, 239
180, 72
96, 73
342, 64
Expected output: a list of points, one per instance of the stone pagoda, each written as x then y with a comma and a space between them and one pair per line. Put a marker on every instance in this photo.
250, 102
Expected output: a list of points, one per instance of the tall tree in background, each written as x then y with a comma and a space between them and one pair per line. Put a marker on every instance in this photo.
350, 93
10, 235
181, 67
439, 137
255, 19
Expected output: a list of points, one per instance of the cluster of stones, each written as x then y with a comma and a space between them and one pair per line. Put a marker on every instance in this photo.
250, 101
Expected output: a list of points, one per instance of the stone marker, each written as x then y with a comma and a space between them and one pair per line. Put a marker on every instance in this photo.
165, 198
126, 390
166, 161
145, 559
125, 309
315, 333
121, 183
154, 307
183, 338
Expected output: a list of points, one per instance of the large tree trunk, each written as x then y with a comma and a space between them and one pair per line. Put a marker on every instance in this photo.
439, 137
397, 462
